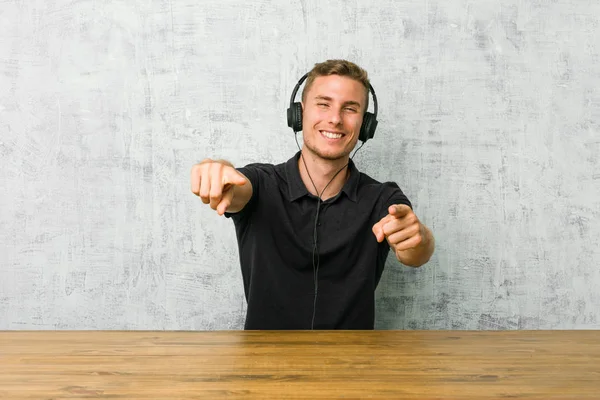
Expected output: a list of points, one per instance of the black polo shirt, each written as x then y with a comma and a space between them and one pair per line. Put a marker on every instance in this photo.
275, 239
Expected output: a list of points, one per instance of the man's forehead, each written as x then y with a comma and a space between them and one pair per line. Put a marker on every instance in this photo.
331, 89
337, 80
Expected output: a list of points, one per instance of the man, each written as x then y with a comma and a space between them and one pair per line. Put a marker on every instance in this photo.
314, 232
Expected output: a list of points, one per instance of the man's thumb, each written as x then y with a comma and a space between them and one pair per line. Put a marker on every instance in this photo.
235, 179
378, 231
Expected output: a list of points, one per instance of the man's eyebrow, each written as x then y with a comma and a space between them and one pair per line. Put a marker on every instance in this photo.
346, 103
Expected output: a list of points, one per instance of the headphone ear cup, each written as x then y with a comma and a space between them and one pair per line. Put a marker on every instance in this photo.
294, 117
367, 129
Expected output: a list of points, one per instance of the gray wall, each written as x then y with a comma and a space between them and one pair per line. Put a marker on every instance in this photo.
489, 121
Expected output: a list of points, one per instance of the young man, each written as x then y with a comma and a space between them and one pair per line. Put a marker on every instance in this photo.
314, 232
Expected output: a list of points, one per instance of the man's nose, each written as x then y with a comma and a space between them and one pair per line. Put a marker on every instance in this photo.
335, 116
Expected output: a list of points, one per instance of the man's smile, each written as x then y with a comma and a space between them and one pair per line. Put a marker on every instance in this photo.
332, 135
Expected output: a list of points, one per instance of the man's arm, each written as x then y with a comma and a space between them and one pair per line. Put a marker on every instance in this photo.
412, 242
219, 184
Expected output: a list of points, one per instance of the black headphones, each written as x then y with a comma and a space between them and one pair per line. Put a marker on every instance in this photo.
367, 129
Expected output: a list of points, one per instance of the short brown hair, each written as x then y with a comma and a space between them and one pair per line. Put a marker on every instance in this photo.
338, 67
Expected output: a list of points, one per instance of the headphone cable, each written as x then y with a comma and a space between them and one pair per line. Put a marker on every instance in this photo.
315, 251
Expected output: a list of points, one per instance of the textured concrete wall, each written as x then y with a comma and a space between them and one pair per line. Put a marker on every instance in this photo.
489, 121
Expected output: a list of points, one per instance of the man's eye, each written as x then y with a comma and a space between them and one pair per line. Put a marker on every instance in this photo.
350, 109
322, 104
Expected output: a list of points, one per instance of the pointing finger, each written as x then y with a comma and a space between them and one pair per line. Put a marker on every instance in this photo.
225, 202
399, 210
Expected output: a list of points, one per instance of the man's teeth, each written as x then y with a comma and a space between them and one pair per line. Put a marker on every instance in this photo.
331, 135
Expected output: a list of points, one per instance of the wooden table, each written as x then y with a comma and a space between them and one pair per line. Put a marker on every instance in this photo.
311, 365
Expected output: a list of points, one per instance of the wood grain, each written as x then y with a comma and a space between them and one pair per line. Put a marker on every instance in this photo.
316, 365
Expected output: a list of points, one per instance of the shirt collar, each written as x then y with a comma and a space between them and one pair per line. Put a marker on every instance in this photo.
297, 188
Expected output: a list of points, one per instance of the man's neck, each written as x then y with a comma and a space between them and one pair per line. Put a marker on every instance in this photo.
322, 172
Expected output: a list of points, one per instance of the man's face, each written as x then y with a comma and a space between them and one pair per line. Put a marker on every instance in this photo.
332, 115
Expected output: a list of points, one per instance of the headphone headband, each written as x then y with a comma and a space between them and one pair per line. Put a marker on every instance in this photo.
296, 88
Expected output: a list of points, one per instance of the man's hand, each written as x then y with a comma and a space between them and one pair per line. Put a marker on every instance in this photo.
214, 182
406, 235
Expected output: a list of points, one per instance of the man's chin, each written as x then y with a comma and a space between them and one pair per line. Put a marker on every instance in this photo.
331, 156
334, 157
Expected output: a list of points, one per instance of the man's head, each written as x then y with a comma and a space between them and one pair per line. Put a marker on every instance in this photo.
334, 101
340, 68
